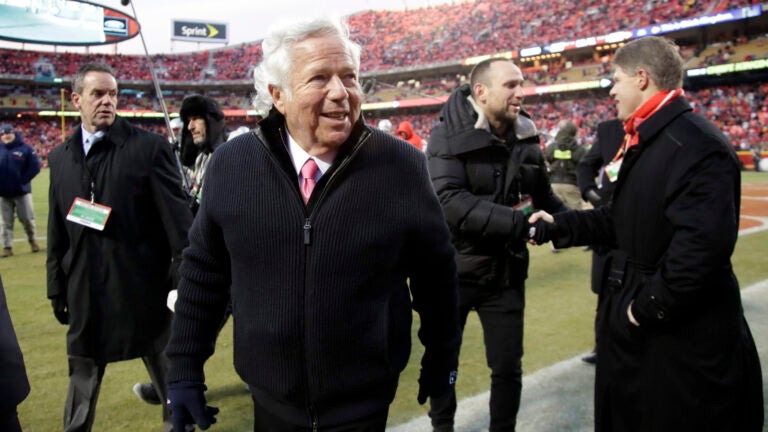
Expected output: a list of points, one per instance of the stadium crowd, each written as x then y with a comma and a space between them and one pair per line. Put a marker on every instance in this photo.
740, 111
400, 39
420, 37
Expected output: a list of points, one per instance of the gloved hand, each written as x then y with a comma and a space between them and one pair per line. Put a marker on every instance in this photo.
593, 197
60, 309
435, 385
186, 400
541, 231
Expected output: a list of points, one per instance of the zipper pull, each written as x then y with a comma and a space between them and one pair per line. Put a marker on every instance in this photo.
313, 418
307, 232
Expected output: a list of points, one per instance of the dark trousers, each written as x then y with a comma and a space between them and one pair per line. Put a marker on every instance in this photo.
85, 377
265, 421
501, 316
9, 421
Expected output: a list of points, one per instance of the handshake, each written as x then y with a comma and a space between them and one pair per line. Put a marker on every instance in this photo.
541, 228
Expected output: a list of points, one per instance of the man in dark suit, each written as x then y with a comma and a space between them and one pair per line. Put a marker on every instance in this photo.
596, 188
13, 374
117, 225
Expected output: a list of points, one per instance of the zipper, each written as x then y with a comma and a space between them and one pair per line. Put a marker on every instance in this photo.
308, 221
313, 417
307, 230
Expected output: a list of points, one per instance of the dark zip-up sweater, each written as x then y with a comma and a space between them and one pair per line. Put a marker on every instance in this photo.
321, 295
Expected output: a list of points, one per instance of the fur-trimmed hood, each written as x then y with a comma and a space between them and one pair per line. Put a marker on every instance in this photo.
215, 134
461, 114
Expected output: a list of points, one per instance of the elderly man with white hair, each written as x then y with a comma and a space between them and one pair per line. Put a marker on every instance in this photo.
329, 234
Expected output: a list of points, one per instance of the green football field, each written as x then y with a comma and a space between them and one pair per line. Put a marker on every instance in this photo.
559, 320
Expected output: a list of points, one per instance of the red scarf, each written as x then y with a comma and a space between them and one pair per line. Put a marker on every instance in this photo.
647, 109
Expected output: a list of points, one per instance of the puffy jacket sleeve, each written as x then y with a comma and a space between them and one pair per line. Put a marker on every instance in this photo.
464, 211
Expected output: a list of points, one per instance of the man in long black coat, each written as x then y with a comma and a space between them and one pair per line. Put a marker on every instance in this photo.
675, 351
596, 188
108, 278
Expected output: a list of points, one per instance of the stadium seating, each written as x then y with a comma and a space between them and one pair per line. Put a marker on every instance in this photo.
414, 54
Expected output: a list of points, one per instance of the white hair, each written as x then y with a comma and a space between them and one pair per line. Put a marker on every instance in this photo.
274, 69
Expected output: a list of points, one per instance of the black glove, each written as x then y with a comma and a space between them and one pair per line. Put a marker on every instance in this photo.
60, 310
432, 385
541, 231
593, 197
186, 400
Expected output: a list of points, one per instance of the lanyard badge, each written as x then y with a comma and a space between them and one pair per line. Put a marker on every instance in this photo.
525, 206
612, 169
89, 214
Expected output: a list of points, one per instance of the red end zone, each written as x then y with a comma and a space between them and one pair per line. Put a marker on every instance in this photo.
754, 202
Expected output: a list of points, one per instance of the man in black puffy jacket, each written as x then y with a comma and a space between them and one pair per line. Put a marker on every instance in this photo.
489, 173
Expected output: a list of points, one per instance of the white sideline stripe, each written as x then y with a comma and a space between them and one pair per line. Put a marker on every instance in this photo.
23, 239
762, 227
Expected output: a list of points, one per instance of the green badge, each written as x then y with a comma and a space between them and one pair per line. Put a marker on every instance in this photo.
89, 214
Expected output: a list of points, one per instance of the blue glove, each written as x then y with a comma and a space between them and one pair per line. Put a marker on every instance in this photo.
186, 400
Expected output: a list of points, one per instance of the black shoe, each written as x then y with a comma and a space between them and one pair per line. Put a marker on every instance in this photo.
591, 358
147, 393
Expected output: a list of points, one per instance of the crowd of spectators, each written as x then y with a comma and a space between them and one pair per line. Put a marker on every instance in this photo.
444, 33
400, 38
49, 98
740, 111
419, 38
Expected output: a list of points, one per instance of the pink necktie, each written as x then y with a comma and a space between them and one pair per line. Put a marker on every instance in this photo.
308, 172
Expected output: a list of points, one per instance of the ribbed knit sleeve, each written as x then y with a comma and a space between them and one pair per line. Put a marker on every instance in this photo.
433, 281
203, 293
